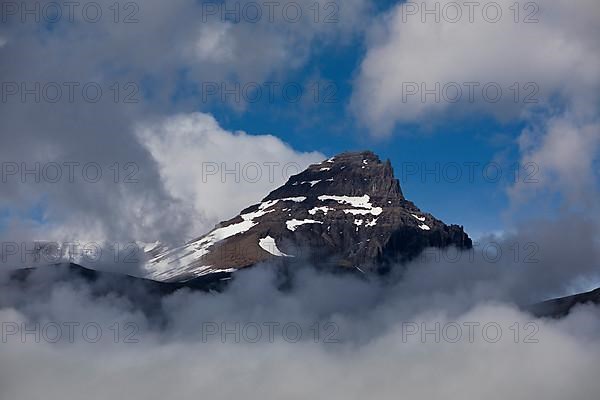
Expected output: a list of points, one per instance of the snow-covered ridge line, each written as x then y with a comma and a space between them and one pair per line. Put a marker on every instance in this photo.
171, 262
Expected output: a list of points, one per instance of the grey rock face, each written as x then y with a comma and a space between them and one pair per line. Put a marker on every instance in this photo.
348, 211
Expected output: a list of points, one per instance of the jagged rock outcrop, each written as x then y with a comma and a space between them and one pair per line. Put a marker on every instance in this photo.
348, 211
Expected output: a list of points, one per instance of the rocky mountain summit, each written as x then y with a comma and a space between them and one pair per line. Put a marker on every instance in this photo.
348, 211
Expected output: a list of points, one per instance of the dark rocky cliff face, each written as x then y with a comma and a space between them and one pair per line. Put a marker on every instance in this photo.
348, 211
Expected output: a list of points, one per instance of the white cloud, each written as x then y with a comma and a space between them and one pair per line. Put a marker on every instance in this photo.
214, 44
559, 54
433, 343
218, 48
215, 171
562, 152
381, 369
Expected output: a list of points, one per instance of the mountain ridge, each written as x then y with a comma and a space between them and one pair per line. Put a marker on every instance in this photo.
148, 293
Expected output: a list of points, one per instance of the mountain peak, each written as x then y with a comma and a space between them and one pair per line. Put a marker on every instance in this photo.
348, 211
350, 174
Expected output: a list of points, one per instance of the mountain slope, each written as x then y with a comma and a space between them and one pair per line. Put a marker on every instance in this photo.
148, 294
348, 211
560, 307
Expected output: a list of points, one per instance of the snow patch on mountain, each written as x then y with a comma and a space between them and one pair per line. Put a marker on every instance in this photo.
362, 201
293, 224
362, 205
422, 219
268, 244
324, 210
372, 223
